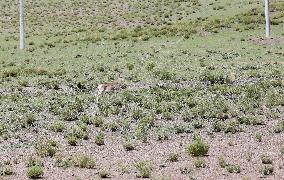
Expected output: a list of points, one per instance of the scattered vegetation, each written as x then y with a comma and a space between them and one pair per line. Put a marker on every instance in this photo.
174, 86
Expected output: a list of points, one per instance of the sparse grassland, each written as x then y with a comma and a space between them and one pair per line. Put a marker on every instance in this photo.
203, 95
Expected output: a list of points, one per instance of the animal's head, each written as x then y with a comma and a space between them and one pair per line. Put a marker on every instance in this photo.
120, 78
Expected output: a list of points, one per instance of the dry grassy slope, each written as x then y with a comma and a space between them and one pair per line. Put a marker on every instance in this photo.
75, 16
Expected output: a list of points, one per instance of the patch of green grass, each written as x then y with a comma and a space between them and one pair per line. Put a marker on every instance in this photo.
128, 146
84, 161
267, 170
222, 162
232, 168
35, 172
198, 148
46, 147
6, 170
57, 126
265, 159
144, 169
100, 139
173, 157
103, 173
199, 163
258, 137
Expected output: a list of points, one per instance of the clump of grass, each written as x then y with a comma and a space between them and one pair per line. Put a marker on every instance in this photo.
84, 161
130, 66
100, 139
215, 76
200, 163
282, 150
6, 171
173, 157
265, 159
34, 161
222, 162
128, 146
232, 126
103, 173
198, 148
98, 121
258, 137
279, 127
57, 126
72, 140
46, 147
185, 170
248, 156
267, 170
2, 128
144, 169
217, 126
232, 168
62, 161
79, 131
29, 120
87, 120
113, 126
35, 172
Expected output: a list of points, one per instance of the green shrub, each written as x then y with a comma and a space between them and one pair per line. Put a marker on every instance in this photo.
72, 140
265, 159
173, 157
2, 129
144, 169
267, 170
128, 146
103, 173
46, 147
222, 162
100, 139
84, 161
279, 127
258, 137
198, 148
34, 161
35, 172
98, 121
231, 168
215, 76
87, 120
199, 163
57, 126
232, 126
6, 171
217, 126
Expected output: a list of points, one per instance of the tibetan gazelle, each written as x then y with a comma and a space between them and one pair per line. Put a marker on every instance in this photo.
110, 87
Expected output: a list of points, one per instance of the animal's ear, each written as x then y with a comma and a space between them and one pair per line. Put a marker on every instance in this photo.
120, 76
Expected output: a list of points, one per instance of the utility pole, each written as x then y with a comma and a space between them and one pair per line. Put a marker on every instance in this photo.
22, 31
267, 19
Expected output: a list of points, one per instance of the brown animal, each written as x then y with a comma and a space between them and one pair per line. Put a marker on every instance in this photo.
109, 87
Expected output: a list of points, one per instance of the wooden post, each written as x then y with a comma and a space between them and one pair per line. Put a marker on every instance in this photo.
22, 31
267, 19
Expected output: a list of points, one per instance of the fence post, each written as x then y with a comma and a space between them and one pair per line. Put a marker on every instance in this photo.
22, 30
267, 19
